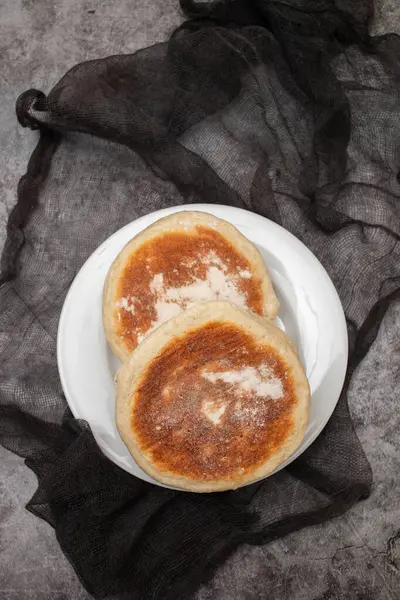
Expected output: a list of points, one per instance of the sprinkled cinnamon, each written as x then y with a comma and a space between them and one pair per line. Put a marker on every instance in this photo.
198, 415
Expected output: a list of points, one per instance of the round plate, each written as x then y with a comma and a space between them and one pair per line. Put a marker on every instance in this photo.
310, 312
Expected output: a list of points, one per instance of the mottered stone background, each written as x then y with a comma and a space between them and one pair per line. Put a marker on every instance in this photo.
356, 556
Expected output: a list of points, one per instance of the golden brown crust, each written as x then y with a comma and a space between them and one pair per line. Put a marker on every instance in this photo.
150, 363
128, 276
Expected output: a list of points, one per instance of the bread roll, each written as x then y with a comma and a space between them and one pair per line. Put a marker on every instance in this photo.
213, 399
182, 260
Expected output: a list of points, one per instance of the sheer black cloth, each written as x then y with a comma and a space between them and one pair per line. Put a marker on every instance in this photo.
288, 109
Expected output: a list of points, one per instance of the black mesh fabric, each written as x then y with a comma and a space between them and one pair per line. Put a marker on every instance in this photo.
288, 109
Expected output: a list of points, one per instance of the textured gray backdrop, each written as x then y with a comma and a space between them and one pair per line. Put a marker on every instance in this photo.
353, 557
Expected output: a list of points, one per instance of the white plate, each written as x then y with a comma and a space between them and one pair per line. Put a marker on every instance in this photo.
310, 313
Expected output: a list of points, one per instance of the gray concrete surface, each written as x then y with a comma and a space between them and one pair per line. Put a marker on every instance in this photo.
353, 557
